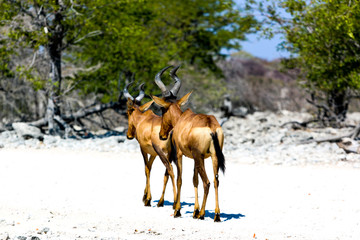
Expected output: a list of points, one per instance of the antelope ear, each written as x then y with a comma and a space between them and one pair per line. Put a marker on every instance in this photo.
184, 99
145, 106
161, 102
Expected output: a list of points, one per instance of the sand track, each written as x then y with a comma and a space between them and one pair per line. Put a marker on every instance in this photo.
59, 194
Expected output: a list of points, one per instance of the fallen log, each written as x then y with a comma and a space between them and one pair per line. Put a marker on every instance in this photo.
299, 124
330, 139
84, 112
346, 142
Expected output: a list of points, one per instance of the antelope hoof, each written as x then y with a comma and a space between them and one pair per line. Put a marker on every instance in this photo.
160, 203
144, 197
217, 217
196, 214
201, 217
147, 203
163, 138
177, 214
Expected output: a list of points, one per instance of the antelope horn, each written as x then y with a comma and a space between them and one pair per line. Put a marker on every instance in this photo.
177, 85
160, 84
141, 94
126, 92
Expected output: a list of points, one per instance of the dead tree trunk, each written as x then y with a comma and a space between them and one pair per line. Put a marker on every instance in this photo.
55, 51
333, 109
338, 103
50, 113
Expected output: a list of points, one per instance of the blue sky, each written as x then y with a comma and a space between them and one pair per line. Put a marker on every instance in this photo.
263, 48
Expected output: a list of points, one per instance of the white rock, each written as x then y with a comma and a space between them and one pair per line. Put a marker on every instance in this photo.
25, 130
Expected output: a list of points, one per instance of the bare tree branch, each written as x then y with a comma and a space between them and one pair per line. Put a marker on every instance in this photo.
90, 34
82, 113
352, 135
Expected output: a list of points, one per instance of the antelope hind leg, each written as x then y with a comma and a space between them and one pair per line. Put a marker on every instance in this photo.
196, 184
166, 178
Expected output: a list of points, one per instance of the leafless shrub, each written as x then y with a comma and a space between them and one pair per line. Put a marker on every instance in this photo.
259, 84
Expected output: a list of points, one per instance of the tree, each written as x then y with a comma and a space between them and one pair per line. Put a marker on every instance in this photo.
45, 26
160, 32
112, 41
323, 36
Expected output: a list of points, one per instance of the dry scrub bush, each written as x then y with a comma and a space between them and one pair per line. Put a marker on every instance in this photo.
259, 84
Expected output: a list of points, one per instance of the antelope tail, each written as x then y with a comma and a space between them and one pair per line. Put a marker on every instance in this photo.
219, 153
173, 154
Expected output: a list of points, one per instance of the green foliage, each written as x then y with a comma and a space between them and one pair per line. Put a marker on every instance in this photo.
324, 38
5, 52
127, 39
141, 37
36, 25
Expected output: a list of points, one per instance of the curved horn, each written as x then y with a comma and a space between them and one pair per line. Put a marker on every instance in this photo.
177, 85
126, 92
141, 94
160, 84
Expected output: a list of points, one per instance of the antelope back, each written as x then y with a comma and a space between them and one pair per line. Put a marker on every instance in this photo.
135, 113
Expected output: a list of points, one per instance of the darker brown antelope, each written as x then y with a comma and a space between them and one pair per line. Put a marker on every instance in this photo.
197, 136
144, 125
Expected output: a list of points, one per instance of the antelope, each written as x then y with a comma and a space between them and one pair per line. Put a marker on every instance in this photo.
144, 125
197, 136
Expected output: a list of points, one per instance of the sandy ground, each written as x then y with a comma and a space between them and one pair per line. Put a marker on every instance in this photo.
58, 194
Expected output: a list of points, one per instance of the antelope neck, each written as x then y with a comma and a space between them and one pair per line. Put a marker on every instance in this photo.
177, 113
139, 116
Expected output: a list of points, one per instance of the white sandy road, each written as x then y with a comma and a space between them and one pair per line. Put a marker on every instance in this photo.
94, 195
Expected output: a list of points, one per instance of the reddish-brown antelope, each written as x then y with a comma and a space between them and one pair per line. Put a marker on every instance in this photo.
197, 136
144, 125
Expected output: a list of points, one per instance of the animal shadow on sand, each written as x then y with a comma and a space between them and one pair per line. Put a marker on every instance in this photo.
224, 216
208, 214
167, 203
